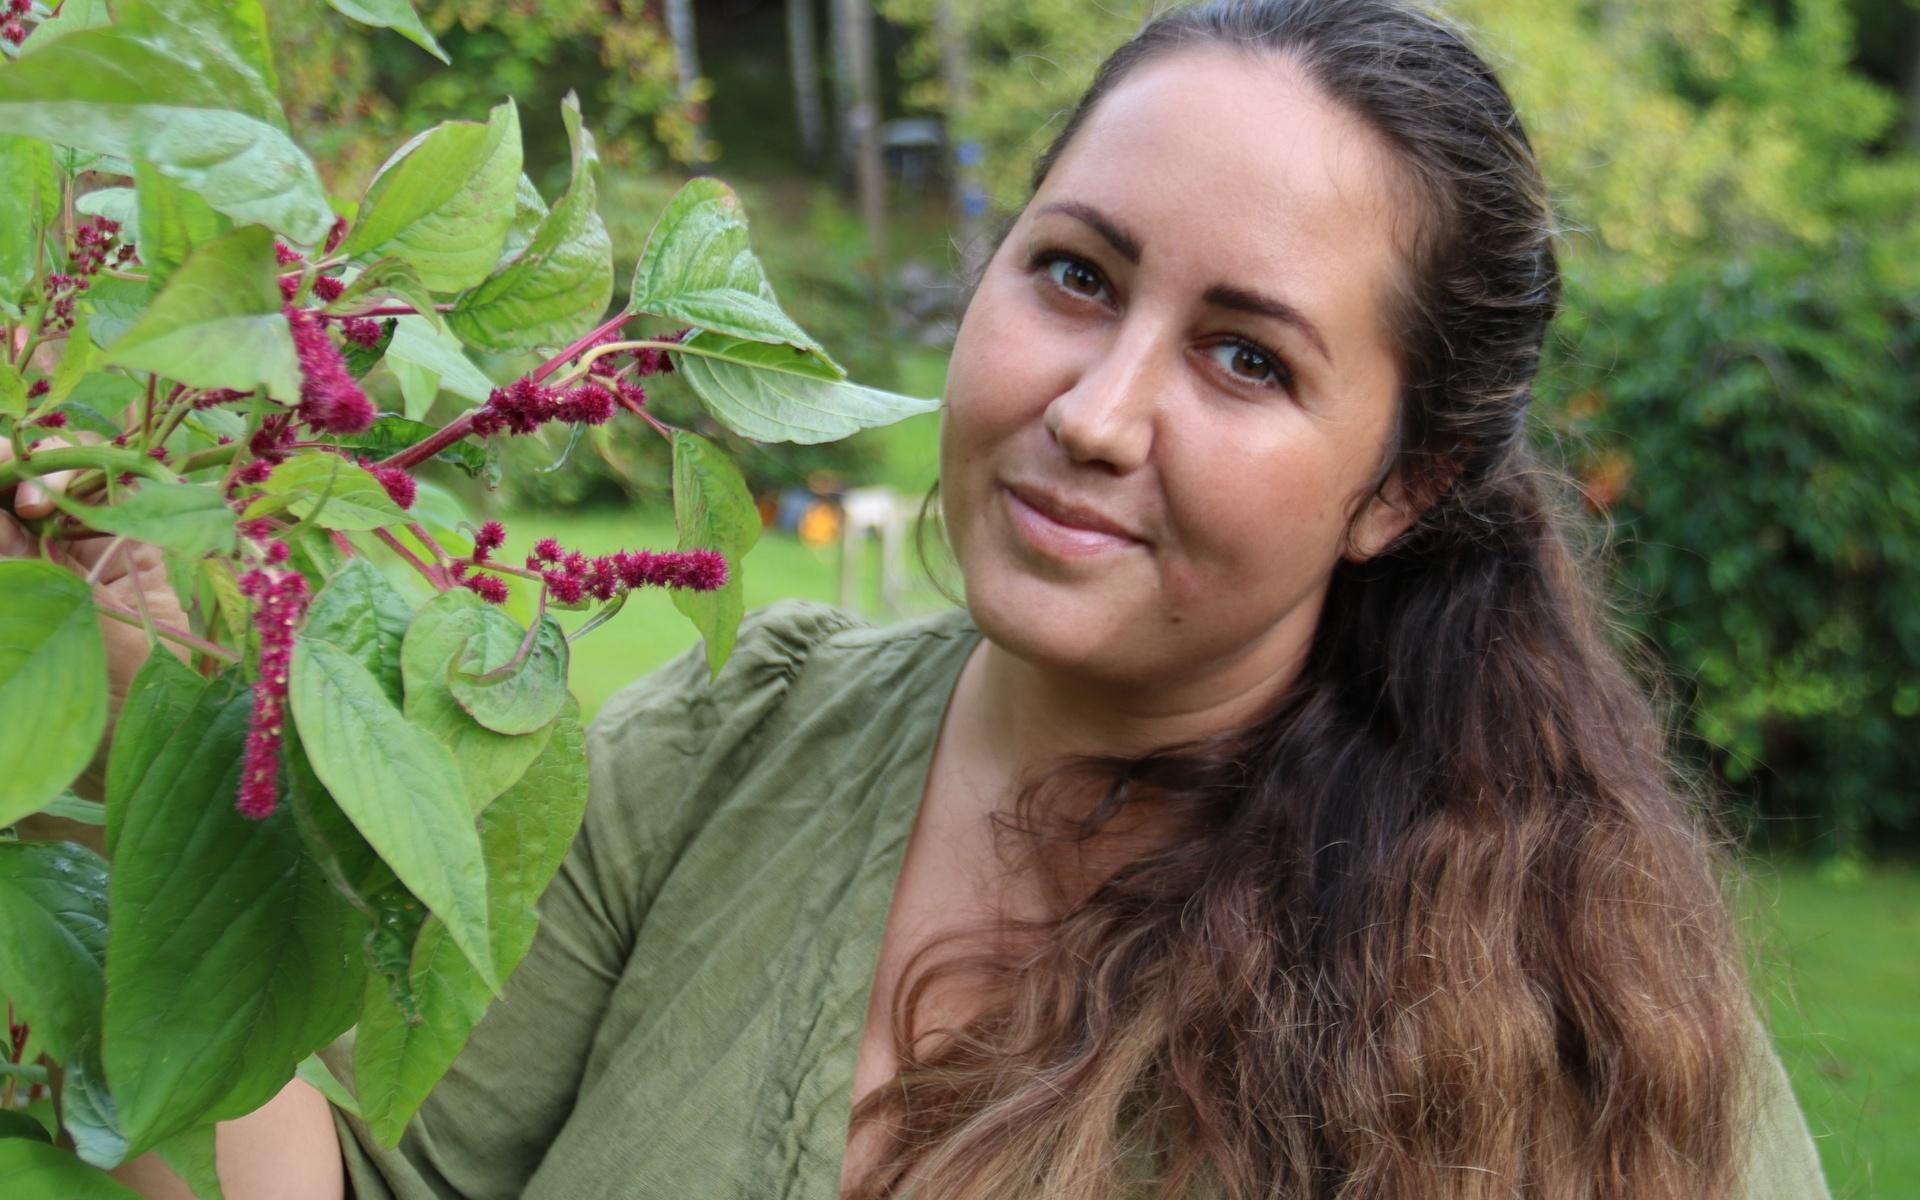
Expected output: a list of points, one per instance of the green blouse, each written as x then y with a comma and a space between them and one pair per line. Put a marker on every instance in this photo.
687, 1020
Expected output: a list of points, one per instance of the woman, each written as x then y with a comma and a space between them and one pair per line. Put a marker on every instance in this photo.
1274, 821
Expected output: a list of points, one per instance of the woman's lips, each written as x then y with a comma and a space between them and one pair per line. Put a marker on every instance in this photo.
1058, 535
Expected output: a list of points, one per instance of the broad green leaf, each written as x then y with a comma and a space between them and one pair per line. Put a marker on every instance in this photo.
168, 87
712, 509
73, 16
447, 626
362, 359
390, 435
528, 211
515, 700
172, 221
53, 939
88, 1116
397, 15
116, 304
349, 861
230, 957
34, 1170
427, 361
363, 614
775, 393
190, 519
163, 694
217, 323
399, 786
117, 204
77, 357
316, 1075
191, 1155
525, 835
30, 196
353, 498
53, 683
560, 284
387, 277
20, 1125
442, 203
697, 267
13, 389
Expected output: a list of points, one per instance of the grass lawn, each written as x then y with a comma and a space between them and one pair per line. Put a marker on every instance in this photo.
1840, 970
1839, 963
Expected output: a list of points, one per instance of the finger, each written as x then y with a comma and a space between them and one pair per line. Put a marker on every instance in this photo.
32, 500
15, 542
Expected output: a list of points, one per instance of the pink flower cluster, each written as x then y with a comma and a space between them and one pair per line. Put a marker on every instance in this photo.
94, 242
400, 486
330, 398
11, 28
524, 406
279, 603
572, 577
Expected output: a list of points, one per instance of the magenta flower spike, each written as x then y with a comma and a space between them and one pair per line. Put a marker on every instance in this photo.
330, 399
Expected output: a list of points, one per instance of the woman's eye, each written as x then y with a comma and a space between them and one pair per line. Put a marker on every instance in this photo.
1072, 275
1244, 360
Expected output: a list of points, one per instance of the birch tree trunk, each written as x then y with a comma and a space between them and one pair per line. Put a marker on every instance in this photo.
862, 134
686, 60
804, 58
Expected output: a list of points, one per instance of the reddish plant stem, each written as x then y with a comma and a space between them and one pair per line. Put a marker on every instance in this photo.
172, 634
433, 444
341, 543
382, 310
433, 575
548, 367
426, 539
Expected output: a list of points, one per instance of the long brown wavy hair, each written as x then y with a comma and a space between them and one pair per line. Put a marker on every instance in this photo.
1443, 924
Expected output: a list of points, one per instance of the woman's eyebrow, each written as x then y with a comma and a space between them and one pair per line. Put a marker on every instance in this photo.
1123, 243
1220, 295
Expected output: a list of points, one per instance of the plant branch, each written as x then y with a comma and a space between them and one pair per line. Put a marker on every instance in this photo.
433, 444
70, 458
548, 367
433, 575
161, 629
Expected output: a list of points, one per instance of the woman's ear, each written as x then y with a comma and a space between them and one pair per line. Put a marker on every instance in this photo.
1395, 505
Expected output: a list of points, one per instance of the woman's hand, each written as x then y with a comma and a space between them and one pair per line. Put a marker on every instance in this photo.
125, 574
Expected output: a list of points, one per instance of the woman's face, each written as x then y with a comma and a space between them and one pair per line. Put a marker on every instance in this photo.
1173, 389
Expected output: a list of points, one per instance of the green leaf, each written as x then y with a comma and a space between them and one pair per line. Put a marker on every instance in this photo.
53, 939
515, 700
191, 1155
76, 359
70, 807
442, 203
162, 696
528, 211
400, 788
525, 835
776, 394
390, 435
560, 284
189, 519
116, 304
363, 614
217, 323
13, 389
88, 1117
20, 1125
397, 15
697, 267
362, 359
426, 361
230, 957
53, 683
169, 87
712, 509
172, 221
387, 277
315, 1074
34, 1170
30, 196
353, 498
451, 624
73, 16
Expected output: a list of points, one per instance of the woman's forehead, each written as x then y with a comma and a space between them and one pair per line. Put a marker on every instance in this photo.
1235, 169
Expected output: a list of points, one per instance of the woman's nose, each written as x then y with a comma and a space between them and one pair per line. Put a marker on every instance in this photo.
1107, 417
